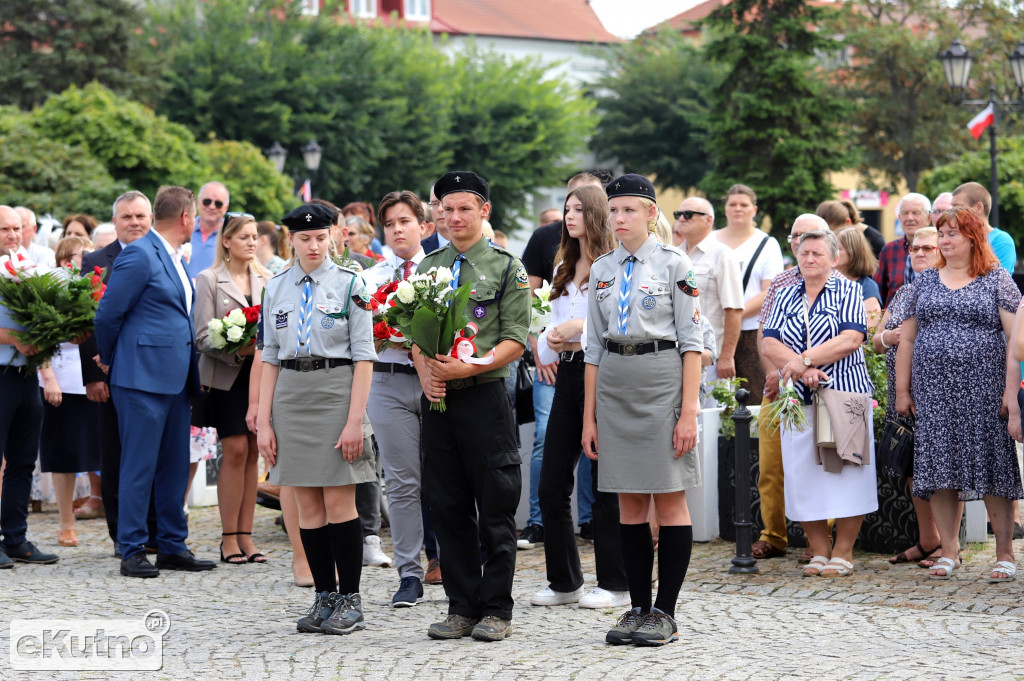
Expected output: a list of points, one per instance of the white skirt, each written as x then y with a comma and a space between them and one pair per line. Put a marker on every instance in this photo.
813, 494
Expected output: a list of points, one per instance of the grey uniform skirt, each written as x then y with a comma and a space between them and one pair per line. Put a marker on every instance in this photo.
310, 409
638, 403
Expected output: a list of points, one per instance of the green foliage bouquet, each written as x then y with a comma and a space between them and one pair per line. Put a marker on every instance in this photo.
787, 411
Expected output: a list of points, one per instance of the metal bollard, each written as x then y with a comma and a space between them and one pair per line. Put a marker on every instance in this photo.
744, 562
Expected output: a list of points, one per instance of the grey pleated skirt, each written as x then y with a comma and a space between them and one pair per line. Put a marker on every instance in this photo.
310, 409
638, 403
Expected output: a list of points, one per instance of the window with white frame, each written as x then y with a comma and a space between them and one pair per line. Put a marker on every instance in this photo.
363, 8
417, 10
310, 7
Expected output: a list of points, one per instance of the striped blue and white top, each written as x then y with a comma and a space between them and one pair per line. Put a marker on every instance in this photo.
839, 306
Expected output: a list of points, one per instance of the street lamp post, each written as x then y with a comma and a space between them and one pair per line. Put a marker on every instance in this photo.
956, 64
312, 153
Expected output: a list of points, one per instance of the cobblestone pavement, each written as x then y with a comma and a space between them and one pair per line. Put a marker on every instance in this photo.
882, 622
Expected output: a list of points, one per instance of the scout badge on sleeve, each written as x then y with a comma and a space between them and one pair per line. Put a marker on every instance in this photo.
463, 349
602, 285
689, 285
522, 279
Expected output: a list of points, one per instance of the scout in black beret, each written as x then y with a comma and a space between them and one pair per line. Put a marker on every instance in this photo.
309, 216
462, 181
631, 184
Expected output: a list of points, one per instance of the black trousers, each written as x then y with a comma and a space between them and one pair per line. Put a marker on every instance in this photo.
471, 470
21, 419
562, 451
110, 472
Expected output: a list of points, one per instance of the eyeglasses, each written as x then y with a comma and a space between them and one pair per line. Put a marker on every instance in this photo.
926, 249
207, 202
686, 214
793, 239
230, 215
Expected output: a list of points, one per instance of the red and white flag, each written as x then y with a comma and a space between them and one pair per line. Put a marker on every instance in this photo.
307, 190
984, 119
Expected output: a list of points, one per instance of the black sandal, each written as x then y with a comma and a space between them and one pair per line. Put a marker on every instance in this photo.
231, 560
902, 557
254, 558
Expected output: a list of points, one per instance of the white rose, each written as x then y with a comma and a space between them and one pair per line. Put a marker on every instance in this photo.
236, 317
234, 334
406, 292
216, 327
444, 275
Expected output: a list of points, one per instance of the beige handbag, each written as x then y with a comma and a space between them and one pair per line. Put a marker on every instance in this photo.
823, 434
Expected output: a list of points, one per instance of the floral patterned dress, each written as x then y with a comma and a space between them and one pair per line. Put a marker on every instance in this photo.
958, 379
898, 313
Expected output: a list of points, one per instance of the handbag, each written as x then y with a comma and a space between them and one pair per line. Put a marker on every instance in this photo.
823, 433
896, 448
524, 390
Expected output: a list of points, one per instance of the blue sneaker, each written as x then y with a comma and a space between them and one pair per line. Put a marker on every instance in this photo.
410, 591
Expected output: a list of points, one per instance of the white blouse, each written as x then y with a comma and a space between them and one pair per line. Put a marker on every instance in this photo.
570, 305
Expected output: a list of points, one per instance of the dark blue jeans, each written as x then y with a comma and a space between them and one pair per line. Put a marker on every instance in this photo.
21, 418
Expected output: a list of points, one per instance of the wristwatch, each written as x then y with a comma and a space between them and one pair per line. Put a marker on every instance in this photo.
807, 360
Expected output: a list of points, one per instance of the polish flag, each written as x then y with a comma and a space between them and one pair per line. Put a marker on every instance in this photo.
984, 119
307, 190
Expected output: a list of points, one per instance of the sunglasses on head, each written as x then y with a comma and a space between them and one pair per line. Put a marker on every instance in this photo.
207, 202
686, 214
230, 215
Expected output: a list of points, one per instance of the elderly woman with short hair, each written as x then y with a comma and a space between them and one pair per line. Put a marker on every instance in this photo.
815, 333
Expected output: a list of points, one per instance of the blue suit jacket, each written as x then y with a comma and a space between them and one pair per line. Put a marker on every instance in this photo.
144, 331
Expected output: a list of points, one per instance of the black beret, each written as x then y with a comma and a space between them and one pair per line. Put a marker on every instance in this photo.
631, 184
309, 216
462, 181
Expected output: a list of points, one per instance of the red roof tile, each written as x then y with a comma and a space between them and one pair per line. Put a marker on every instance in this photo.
563, 20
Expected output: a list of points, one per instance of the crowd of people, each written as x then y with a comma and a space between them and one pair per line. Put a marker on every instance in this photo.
645, 313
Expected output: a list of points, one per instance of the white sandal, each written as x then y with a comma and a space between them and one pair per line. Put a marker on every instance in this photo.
814, 567
947, 565
1007, 568
838, 567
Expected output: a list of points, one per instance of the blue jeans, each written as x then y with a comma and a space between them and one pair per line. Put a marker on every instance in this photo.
584, 491
543, 394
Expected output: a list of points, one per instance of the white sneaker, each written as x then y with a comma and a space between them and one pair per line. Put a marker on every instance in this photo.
372, 555
602, 598
551, 597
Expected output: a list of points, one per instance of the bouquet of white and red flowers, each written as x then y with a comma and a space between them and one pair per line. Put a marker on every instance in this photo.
384, 335
427, 311
235, 330
54, 306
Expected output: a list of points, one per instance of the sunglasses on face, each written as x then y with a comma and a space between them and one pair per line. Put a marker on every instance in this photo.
926, 249
207, 202
686, 214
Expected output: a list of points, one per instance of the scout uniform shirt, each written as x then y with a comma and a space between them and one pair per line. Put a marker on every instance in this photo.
499, 303
662, 300
340, 322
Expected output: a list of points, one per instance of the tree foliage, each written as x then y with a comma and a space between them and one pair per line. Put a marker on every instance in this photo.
906, 122
48, 45
255, 186
776, 125
974, 167
653, 102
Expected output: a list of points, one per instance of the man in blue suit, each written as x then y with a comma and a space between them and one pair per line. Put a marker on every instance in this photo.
145, 332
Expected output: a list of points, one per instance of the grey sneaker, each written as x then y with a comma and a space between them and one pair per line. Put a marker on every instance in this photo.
492, 628
323, 606
347, 616
453, 626
657, 629
622, 633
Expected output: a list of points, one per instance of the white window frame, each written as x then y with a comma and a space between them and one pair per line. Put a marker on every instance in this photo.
363, 9
411, 7
310, 8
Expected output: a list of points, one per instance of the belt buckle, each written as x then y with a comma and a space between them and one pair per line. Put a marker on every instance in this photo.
456, 384
305, 365
629, 350
571, 355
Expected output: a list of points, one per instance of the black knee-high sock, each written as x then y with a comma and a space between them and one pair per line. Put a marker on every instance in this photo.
347, 543
638, 559
674, 545
317, 544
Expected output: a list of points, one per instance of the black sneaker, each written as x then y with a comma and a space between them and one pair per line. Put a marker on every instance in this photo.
622, 633
410, 590
323, 606
586, 532
347, 616
530, 537
657, 629
26, 552
5, 561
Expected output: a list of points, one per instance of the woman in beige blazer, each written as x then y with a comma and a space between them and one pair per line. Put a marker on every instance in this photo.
236, 280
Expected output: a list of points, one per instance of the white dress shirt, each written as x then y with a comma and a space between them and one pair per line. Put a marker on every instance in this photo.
186, 282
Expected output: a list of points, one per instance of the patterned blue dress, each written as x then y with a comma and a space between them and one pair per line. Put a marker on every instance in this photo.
958, 378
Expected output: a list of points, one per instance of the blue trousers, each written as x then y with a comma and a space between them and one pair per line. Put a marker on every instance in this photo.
154, 461
21, 418
543, 394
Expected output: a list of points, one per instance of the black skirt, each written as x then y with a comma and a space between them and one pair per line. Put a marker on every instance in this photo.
70, 437
229, 406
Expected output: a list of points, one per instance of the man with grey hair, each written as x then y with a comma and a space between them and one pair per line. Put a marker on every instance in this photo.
213, 205
718, 280
894, 270
770, 484
942, 202
36, 252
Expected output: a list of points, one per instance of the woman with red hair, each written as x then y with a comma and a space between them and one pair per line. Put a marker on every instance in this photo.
954, 373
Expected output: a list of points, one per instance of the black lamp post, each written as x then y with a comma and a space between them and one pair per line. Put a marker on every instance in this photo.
956, 64
312, 153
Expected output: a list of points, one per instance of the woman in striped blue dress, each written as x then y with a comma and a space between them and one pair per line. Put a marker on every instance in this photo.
830, 309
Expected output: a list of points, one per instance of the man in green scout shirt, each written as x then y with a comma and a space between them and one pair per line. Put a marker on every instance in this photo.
471, 460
